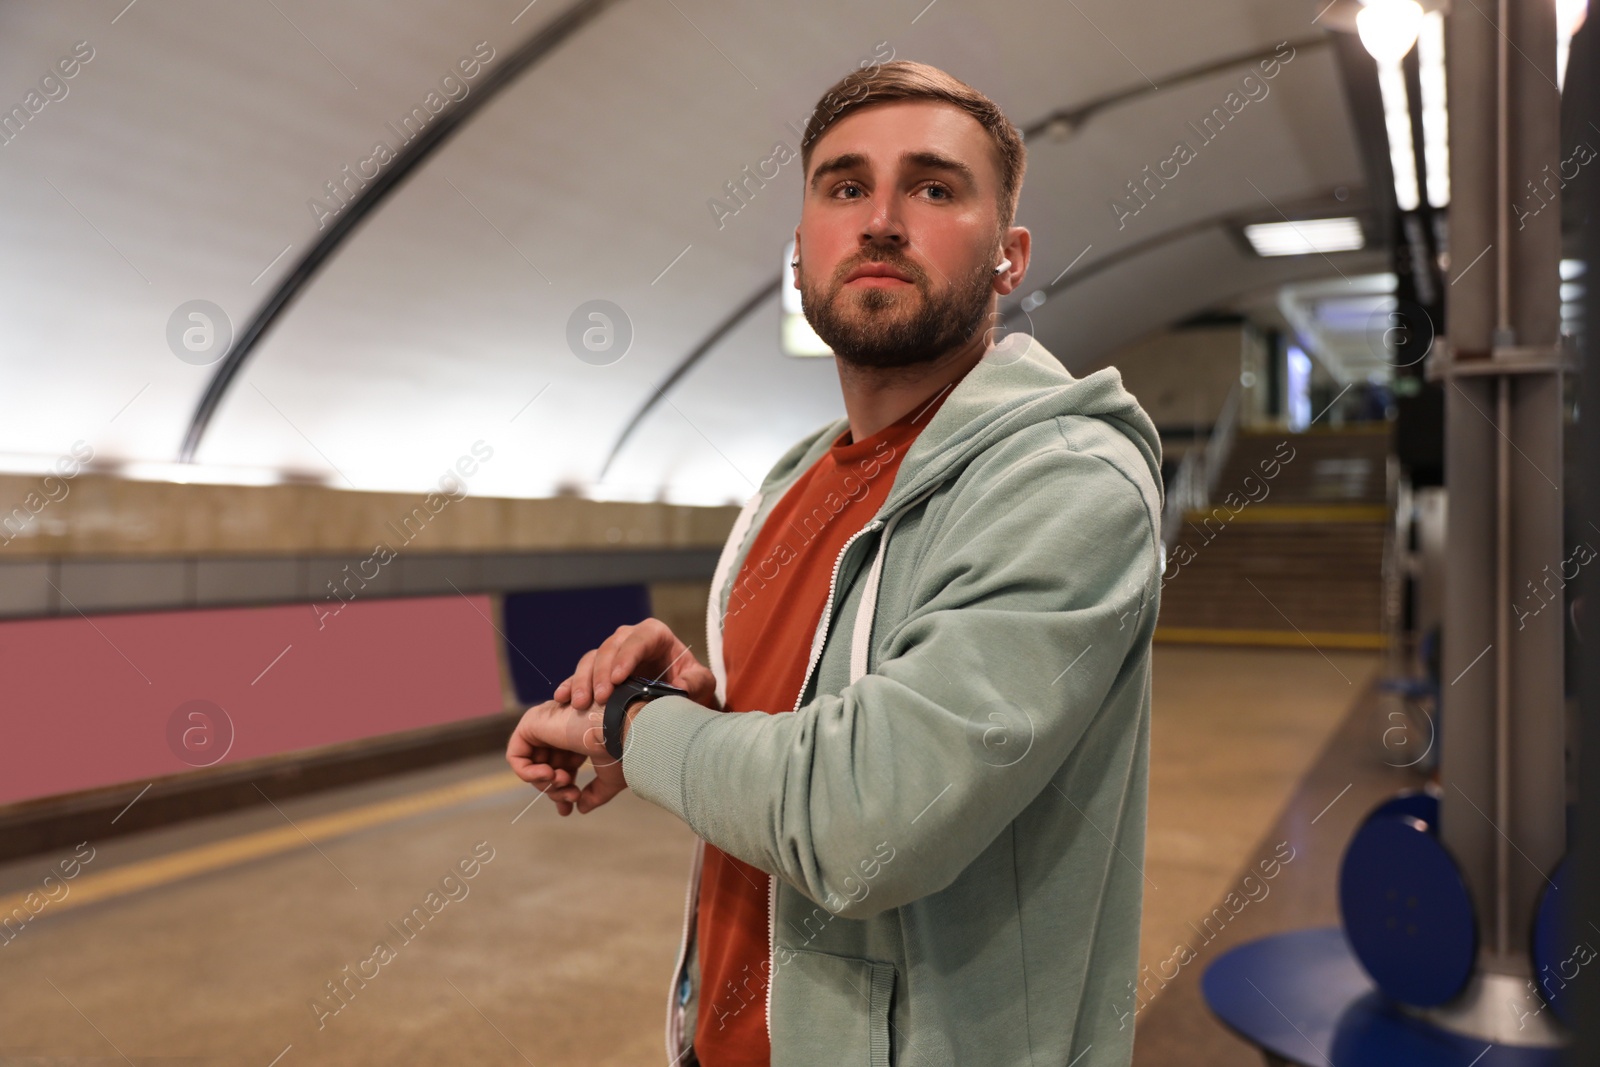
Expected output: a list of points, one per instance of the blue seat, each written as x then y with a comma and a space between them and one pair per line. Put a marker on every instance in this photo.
1302, 998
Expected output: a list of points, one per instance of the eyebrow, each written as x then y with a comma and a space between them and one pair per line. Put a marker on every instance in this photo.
924, 160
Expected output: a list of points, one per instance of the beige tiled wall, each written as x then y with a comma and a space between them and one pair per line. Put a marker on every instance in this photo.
100, 515
682, 606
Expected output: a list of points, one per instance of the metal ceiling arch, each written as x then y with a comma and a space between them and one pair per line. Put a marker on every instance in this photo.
659, 392
1071, 118
1076, 116
527, 56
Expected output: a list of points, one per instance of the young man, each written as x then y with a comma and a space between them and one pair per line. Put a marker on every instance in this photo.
929, 849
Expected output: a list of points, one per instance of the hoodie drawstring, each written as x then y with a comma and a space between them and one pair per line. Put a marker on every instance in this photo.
861, 635
730, 549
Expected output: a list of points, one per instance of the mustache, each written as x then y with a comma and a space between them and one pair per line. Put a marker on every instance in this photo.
899, 263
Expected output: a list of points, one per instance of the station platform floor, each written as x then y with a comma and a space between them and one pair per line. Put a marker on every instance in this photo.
214, 941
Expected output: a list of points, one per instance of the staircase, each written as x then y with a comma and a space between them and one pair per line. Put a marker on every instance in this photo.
1290, 550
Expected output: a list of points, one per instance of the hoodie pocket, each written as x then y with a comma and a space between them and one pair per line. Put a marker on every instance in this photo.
829, 1009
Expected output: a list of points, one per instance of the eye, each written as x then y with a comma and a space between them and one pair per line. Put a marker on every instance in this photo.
935, 187
848, 185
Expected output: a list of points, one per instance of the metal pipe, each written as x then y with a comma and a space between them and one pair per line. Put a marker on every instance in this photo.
1502, 259
1502, 674
1502, 590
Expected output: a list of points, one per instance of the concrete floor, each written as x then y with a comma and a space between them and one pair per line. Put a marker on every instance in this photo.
557, 951
211, 941
1350, 775
1231, 734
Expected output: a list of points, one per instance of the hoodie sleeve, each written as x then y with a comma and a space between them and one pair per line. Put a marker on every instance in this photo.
1041, 580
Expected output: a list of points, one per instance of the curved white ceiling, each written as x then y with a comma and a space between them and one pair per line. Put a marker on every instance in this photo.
180, 164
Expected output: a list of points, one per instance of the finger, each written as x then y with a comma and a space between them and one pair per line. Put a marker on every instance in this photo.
596, 793
530, 733
529, 756
524, 758
540, 775
648, 648
569, 763
545, 776
582, 686
698, 682
591, 797
545, 765
519, 744
605, 660
529, 752
563, 691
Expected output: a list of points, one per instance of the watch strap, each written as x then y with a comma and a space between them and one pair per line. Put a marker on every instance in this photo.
625, 693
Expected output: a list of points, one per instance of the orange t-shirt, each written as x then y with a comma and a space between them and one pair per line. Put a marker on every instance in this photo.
773, 610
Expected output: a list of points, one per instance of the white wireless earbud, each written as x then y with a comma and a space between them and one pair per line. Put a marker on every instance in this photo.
1004, 263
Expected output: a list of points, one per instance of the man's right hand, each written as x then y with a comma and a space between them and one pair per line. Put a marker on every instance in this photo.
650, 649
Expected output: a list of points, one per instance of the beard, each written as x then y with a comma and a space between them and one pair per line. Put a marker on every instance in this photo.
899, 326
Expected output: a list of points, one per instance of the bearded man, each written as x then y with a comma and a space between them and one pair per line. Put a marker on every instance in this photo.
916, 757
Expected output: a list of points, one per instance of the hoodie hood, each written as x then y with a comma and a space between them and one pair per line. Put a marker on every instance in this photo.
1018, 383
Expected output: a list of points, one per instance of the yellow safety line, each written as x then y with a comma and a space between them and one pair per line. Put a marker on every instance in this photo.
88, 888
1201, 635
1303, 513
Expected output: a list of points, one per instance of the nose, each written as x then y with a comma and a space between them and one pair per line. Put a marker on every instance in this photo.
883, 224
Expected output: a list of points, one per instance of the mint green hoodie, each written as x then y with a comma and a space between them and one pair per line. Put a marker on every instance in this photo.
953, 812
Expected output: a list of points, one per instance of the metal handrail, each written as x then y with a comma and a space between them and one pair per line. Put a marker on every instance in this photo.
1222, 437
1195, 480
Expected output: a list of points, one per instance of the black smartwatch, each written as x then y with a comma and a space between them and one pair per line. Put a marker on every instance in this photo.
617, 706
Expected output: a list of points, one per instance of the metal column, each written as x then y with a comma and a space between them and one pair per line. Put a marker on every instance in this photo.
1503, 809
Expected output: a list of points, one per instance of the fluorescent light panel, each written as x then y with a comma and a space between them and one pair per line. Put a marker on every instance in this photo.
199, 474
1305, 236
27, 464
1397, 123
1435, 117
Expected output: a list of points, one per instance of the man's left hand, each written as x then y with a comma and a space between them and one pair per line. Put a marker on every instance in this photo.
549, 745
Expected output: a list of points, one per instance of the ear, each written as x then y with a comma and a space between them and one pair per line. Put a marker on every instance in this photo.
1017, 247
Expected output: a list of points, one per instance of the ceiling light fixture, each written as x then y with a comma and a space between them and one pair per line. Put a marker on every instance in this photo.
1435, 116
1305, 236
1388, 29
199, 474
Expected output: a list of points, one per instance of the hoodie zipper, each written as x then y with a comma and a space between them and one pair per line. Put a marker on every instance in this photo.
818, 639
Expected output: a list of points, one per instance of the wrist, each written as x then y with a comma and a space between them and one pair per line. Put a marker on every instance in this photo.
635, 706
624, 703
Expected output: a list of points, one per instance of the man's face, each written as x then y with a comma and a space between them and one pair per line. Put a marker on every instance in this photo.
912, 187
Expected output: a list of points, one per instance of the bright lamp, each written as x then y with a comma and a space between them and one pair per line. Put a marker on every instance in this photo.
1389, 28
